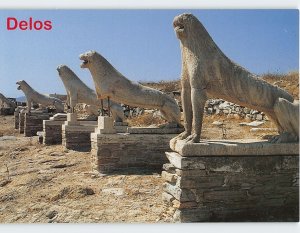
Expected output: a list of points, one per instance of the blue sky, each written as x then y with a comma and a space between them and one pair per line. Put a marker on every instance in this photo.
141, 44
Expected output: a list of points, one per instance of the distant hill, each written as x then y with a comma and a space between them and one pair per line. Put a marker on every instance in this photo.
21, 99
59, 96
288, 82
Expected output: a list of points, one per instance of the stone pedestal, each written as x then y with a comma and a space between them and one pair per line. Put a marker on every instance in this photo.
21, 122
121, 127
71, 119
105, 125
33, 122
116, 152
143, 149
220, 181
76, 135
16, 115
52, 129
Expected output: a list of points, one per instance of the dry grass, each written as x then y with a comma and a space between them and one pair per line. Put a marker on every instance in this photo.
6, 126
165, 86
145, 120
288, 82
210, 131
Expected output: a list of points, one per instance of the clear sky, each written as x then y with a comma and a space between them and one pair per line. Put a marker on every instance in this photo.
141, 44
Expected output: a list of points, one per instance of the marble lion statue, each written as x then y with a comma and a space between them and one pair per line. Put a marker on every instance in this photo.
79, 92
33, 96
4, 101
111, 83
207, 72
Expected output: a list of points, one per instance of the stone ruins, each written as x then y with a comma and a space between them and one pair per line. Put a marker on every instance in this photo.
204, 180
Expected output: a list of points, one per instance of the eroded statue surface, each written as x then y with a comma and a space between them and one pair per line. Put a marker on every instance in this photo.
111, 83
79, 92
42, 100
4, 101
207, 72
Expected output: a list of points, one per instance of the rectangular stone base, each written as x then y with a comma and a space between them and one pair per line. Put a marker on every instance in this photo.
116, 152
78, 137
21, 119
16, 115
52, 129
33, 123
238, 181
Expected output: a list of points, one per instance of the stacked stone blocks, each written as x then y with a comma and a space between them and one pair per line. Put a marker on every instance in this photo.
52, 129
244, 186
33, 122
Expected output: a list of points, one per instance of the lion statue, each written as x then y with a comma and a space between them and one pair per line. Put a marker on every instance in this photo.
207, 72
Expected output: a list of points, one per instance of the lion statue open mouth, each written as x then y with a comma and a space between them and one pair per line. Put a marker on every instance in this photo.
79, 92
207, 72
34, 96
111, 83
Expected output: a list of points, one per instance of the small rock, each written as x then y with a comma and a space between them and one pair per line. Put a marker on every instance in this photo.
87, 191
5, 182
224, 105
20, 149
93, 176
246, 110
60, 166
253, 123
115, 191
56, 154
51, 214
227, 111
236, 116
217, 123
259, 117
209, 110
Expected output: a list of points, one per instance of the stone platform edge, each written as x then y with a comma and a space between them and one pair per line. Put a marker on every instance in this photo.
240, 147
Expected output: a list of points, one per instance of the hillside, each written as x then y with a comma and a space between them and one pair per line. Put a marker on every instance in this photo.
289, 82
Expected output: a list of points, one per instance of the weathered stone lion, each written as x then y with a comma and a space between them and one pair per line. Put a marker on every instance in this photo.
79, 92
207, 72
4, 102
34, 96
111, 83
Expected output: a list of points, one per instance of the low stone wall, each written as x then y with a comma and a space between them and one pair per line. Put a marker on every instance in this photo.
21, 122
78, 137
33, 123
52, 129
116, 152
232, 181
222, 107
